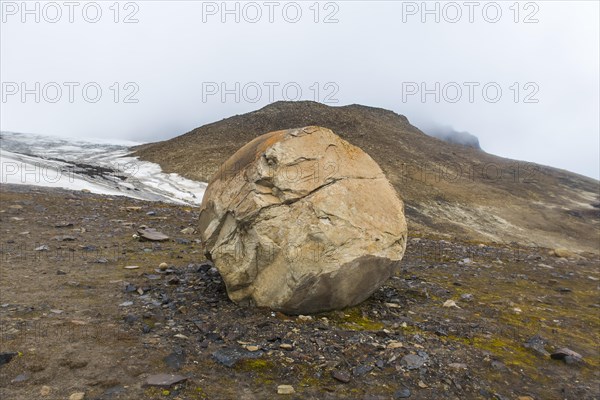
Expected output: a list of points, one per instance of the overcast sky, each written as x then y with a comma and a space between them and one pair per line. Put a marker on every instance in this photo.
524, 78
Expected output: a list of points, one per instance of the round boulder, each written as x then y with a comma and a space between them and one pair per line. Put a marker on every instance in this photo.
301, 221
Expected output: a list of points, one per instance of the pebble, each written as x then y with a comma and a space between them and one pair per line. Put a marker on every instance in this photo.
498, 366
562, 253
567, 355
45, 390
42, 248
130, 288
305, 318
77, 396
252, 348
180, 336
64, 238
163, 266
126, 304
361, 370
286, 346
187, 231
466, 297
402, 394
230, 356
132, 267
412, 361
175, 360
164, 380
394, 345
537, 343
458, 365
6, 357
20, 378
340, 376
450, 303
285, 389
152, 235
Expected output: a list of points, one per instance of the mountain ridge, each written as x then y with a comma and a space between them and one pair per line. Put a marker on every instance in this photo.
449, 190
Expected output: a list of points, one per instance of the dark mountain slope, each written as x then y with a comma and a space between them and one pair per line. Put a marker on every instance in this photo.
449, 189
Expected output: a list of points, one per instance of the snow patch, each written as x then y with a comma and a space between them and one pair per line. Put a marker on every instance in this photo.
96, 165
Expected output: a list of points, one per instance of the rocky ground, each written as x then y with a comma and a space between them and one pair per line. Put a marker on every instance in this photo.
88, 310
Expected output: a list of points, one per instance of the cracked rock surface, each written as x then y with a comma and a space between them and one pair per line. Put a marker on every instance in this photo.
301, 221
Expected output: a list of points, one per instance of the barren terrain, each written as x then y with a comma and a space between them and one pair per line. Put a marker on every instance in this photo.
80, 322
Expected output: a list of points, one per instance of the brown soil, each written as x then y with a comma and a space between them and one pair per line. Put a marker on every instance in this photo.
65, 311
447, 188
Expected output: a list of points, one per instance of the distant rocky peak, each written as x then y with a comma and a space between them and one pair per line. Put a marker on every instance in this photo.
450, 135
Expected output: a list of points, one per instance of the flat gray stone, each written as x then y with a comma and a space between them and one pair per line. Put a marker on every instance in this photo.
152, 235
567, 355
165, 380
412, 361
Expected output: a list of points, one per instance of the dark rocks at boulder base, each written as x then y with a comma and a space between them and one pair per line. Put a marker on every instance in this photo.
204, 267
